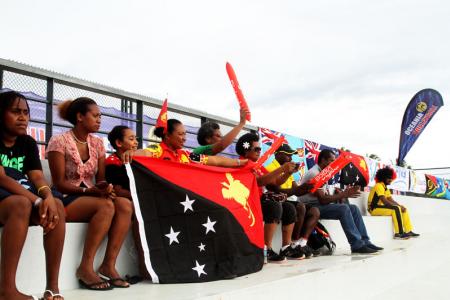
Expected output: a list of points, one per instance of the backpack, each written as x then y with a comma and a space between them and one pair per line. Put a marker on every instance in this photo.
320, 240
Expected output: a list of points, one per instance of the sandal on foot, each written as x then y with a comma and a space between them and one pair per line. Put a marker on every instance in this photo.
53, 295
95, 286
112, 280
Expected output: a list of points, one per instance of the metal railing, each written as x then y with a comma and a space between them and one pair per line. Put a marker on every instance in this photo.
44, 89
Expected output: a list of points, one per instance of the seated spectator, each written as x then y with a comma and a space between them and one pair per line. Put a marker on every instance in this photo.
77, 165
274, 207
123, 139
25, 198
381, 203
210, 138
331, 206
307, 215
171, 148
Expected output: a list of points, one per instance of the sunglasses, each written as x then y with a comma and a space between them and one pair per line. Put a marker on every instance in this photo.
256, 149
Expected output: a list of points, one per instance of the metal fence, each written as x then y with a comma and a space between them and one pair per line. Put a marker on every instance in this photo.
45, 89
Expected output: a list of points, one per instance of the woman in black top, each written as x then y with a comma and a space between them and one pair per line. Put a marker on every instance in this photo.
25, 200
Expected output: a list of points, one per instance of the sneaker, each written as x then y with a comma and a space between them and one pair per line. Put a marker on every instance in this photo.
372, 246
364, 250
401, 236
412, 234
292, 253
274, 257
307, 251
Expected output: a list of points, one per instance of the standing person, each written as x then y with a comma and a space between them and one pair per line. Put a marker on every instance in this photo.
273, 205
210, 138
20, 206
307, 215
77, 160
381, 203
332, 207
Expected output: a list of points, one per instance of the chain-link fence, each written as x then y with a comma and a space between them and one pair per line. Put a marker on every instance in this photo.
44, 90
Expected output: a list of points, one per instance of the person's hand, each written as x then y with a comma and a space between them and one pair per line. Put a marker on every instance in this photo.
403, 208
303, 189
290, 167
48, 214
127, 156
242, 115
352, 192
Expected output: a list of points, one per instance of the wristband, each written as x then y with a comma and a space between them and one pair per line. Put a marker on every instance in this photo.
238, 162
37, 202
41, 188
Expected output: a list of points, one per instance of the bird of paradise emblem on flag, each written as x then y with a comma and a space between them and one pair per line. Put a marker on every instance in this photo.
234, 189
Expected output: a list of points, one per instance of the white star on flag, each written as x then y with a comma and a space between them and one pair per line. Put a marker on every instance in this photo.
357, 177
202, 247
187, 204
209, 226
172, 235
199, 269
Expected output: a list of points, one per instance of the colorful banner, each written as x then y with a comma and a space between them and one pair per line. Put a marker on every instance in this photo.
418, 114
267, 139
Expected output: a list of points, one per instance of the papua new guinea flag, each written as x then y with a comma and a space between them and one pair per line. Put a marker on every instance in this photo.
418, 114
197, 223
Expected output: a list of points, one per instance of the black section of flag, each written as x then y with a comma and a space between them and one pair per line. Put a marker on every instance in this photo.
192, 242
350, 175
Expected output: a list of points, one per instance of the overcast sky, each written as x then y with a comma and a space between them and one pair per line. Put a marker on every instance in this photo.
337, 72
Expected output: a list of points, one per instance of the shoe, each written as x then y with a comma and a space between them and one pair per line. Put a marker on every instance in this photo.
372, 246
401, 236
364, 250
274, 257
95, 286
413, 234
292, 253
307, 251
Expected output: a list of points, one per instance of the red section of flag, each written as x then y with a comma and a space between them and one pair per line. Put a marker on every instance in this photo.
234, 189
162, 118
237, 90
276, 144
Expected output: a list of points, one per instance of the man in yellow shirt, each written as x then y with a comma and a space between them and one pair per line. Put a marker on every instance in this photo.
307, 216
381, 203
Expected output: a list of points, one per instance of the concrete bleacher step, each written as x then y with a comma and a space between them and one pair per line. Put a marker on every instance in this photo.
341, 276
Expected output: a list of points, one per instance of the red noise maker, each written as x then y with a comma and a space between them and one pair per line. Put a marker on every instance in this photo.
162, 118
237, 90
344, 159
276, 144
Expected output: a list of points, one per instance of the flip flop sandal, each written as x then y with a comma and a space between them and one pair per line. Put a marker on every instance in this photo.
94, 286
112, 280
53, 295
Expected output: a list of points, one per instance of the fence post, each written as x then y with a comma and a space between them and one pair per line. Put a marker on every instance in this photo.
140, 122
49, 110
1, 78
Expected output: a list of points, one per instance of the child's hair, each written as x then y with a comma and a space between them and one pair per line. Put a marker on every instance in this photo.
385, 173
116, 133
69, 109
206, 131
171, 123
7, 99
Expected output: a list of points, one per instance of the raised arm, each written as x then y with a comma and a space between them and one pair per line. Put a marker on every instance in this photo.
230, 136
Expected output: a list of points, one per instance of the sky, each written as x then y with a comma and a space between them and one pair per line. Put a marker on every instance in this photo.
337, 72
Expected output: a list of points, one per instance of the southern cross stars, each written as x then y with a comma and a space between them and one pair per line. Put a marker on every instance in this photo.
209, 225
173, 236
187, 204
199, 269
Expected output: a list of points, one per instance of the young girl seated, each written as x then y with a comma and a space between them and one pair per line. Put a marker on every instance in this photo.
29, 202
